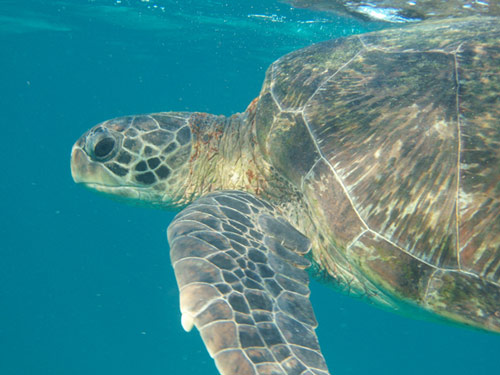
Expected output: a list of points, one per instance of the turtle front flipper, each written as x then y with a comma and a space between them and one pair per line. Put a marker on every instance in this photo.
243, 284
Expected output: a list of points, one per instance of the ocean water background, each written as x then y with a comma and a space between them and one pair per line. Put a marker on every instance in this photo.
86, 285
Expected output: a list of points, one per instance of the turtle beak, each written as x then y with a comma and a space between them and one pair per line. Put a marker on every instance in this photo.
86, 171
95, 176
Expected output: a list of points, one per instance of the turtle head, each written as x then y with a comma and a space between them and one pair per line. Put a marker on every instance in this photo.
140, 158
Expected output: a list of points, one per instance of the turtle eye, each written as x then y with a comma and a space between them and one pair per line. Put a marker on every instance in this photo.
104, 147
101, 144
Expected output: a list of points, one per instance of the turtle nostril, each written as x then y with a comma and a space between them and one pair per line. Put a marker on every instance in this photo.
104, 147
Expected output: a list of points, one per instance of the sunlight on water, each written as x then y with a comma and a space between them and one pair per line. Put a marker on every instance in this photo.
167, 16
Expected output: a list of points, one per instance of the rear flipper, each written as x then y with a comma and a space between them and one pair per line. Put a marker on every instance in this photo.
243, 284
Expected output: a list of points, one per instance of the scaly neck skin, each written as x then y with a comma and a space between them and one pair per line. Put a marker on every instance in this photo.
225, 156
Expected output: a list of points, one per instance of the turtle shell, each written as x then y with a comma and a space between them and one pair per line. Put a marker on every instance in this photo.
394, 139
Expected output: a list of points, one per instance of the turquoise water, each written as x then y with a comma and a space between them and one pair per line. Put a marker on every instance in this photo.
85, 283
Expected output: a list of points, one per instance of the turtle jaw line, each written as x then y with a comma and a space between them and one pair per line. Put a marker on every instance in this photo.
129, 194
125, 191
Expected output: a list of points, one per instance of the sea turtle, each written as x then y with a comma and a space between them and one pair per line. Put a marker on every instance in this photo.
371, 161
